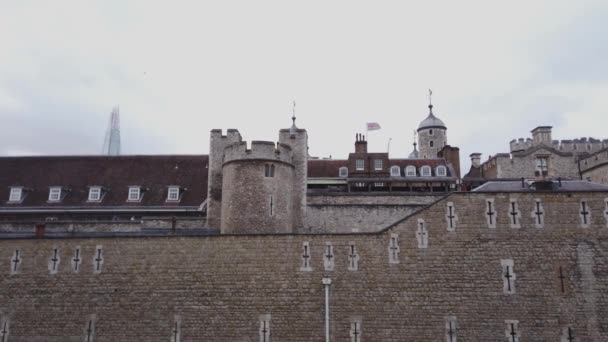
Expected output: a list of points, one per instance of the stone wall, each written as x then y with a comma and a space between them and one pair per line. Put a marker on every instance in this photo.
439, 139
298, 140
412, 282
217, 144
254, 203
516, 166
105, 226
595, 167
598, 174
347, 213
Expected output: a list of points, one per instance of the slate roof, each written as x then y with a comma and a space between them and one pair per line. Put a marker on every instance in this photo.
474, 173
154, 173
516, 186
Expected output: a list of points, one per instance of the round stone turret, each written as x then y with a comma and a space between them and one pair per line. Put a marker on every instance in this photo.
432, 135
257, 189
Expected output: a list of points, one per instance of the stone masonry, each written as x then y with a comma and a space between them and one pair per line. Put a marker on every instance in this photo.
221, 286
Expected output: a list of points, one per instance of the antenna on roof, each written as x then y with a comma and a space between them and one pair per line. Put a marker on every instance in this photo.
111, 144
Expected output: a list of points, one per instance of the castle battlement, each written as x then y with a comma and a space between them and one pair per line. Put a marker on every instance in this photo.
520, 144
265, 150
231, 135
580, 145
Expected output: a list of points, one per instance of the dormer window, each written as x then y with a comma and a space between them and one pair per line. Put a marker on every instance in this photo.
94, 194
425, 171
410, 171
395, 171
343, 172
360, 164
378, 164
440, 171
134, 194
16, 194
55, 194
173, 193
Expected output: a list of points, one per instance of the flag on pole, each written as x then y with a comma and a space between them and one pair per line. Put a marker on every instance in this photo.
373, 126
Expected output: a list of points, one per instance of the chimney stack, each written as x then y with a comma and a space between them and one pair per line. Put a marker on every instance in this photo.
476, 159
360, 143
542, 134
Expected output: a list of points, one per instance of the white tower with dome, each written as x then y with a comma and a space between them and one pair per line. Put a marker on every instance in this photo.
432, 135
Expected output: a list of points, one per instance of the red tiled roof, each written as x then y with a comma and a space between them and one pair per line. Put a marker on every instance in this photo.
116, 173
325, 167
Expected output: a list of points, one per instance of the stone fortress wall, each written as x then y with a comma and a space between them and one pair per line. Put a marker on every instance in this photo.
297, 139
595, 167
82, 226
353, 212
563, 156
503, 165
217, 145
247, 199
253, 200
478, 266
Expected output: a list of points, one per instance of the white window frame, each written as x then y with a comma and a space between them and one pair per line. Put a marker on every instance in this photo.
410, 169
441, 171
343, 172
395, 171
538, 162
16, 194
378, 164
55, 194
425, 171
173, 193
134, 190
94, 194
360, 164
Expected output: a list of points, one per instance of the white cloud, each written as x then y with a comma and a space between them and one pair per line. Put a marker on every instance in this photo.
179, 69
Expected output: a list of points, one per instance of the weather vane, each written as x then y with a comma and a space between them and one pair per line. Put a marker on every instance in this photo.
430, 97
293, 110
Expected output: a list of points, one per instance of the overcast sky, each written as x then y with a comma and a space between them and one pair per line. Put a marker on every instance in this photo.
182, 68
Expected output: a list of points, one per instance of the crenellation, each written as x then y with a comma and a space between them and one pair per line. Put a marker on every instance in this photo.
520, 144
578, 145
260, 150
